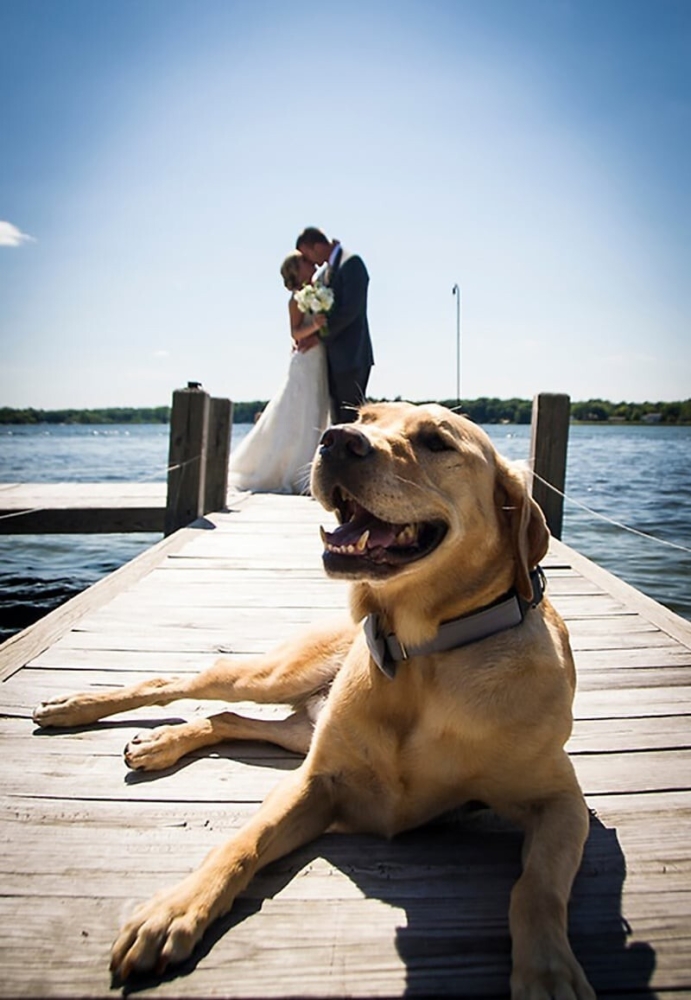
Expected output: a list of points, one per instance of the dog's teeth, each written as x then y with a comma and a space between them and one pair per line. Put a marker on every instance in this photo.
322, 532
361, 543
407, 535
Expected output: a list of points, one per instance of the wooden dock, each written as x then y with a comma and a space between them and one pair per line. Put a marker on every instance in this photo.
67, 508
197, 482
424, 915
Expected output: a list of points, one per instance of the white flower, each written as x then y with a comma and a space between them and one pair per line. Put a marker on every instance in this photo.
324, 297
314, 299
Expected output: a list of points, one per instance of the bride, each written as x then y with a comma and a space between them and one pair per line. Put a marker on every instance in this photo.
277, 454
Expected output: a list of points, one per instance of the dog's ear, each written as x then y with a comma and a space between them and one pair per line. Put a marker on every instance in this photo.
527, 525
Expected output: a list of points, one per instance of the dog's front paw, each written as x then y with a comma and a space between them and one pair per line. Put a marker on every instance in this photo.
161, 932
557, 975
154, 749
66, 710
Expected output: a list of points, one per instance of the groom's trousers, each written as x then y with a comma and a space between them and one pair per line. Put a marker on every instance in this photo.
347, 392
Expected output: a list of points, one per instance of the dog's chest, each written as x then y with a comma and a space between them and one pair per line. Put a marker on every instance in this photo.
404, 757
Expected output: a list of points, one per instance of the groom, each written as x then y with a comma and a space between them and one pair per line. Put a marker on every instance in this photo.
347, 341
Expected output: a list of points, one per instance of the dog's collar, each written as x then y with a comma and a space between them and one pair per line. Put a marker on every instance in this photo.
504, 613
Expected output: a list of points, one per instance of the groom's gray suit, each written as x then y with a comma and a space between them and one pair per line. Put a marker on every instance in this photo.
348, 345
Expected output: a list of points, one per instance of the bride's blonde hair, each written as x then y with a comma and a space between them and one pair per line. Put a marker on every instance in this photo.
290, 269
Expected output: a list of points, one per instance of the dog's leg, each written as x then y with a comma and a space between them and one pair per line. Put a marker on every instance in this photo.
85, 707
166, 929
543, 962
289, 673
155, 749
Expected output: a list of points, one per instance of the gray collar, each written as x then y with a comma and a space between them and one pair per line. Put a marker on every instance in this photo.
504, 613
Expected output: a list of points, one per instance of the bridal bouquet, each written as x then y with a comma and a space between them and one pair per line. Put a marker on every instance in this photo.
314, 299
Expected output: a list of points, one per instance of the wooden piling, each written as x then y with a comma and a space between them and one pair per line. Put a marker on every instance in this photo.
217, 454
198, 456
189, 426
548, 447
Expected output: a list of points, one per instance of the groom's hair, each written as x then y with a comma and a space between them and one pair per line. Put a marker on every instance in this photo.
310, 236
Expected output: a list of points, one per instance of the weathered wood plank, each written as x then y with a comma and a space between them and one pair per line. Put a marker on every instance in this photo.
21, 648
104, 777
656, 732
619, 704
669, 654
84, 508
639, 678
665, 654
645, 606
83, 521
227, 593
232, 638
80, 495
233, 594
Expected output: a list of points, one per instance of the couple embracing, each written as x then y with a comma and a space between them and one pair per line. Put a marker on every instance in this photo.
328, 371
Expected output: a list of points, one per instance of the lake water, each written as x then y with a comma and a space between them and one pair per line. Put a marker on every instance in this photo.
639, 476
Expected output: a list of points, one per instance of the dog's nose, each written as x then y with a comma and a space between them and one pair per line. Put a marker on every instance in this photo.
344, 441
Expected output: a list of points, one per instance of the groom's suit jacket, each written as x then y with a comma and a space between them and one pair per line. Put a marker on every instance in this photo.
348, 344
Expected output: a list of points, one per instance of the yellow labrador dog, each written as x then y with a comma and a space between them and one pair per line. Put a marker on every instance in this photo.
453, 682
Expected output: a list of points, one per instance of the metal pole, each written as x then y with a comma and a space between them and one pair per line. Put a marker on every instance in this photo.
457, 292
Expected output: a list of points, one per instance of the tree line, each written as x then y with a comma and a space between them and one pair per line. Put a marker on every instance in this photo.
519, 411
485, 410
109, 415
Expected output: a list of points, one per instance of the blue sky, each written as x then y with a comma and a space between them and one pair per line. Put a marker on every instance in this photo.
158, 158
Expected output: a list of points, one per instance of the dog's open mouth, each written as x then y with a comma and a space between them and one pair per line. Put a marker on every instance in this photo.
361, 538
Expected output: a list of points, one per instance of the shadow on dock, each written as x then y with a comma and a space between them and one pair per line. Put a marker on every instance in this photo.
454, 938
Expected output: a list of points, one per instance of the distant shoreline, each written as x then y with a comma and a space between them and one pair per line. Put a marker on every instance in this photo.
484, 410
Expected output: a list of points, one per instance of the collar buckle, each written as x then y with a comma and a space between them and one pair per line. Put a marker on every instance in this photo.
378, 646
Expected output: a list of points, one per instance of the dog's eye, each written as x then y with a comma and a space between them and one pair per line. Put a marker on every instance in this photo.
434, 441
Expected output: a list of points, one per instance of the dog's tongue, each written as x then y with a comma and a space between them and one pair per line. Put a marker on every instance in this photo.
381, 534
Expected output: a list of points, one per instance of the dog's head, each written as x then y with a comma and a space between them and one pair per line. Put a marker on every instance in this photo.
430, 514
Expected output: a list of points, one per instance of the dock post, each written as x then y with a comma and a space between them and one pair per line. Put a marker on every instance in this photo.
189, 426
217, 454
548, 445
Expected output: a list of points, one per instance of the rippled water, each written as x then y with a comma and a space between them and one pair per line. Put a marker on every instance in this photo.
637, 475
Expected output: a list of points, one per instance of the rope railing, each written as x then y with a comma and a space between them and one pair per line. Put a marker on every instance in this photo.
611, 520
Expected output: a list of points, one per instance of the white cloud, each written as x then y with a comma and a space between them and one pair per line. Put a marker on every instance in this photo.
10, 236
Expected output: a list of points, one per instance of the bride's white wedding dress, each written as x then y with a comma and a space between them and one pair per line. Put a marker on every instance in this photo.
276, 456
